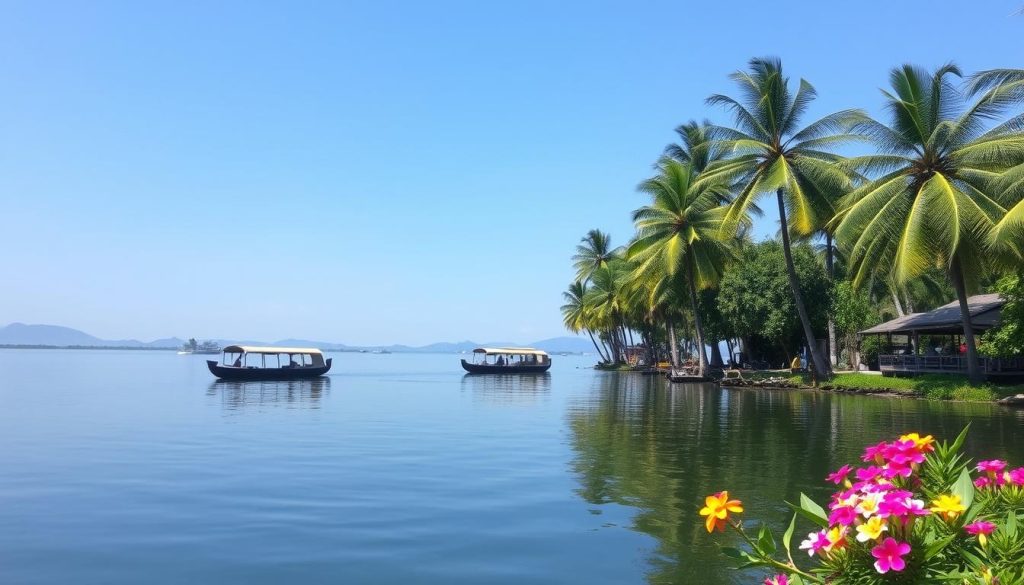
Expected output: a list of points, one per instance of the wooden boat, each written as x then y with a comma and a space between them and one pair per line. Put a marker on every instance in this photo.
248, 362
507, 360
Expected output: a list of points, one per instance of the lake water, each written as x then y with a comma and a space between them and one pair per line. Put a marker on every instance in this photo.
136, 467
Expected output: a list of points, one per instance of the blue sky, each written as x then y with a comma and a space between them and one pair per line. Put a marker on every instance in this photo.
380, 172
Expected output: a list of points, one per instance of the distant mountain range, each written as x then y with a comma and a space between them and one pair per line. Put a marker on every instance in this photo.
20, 334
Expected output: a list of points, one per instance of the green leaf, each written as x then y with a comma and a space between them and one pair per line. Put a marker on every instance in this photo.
787, 537
733, 553
765, 540
796, 580
817, 519
813, 508
1010, 528
937, 546
959, 442
964, 488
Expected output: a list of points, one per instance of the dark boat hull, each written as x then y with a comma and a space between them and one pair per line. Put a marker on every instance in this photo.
232, 373
495, 369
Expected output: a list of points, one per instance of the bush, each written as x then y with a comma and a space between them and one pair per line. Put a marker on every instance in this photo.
870, 347
914, 513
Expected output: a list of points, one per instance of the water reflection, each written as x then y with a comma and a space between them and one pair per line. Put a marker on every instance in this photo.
238, 395
661, 448
507, 389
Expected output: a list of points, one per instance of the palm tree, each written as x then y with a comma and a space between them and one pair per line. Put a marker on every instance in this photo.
606, 301
772, 153
1000, 85
696, 146
575, 315
677, 234
593, 252
933, 200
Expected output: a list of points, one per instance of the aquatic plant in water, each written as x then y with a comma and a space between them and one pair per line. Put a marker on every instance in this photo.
915, 511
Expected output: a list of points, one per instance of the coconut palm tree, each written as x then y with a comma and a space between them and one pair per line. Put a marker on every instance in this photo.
575, 315
696, 146
607, 303
1000, 85
592, 253
932, 199
677, 234
771, 153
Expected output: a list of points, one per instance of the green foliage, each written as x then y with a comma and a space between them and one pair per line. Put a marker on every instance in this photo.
931, 198
1007, 339
922, 498
755, 297
852, 310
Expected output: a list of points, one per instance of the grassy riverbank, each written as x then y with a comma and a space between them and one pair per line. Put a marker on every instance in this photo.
931, 386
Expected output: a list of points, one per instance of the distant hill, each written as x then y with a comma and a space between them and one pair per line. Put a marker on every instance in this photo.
22, 334
57, 336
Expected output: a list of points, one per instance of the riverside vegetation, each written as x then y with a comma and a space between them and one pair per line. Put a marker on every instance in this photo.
912, 514
933, 211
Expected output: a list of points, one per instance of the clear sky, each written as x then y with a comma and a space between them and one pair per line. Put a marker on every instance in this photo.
380, 172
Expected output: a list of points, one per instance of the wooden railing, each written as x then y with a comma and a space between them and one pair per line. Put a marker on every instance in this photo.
947, 363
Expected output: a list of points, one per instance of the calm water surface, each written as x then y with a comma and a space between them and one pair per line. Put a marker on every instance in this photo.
136, 467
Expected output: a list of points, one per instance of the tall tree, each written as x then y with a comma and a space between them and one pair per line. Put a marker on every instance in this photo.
592, 253
678, 234
931, 200
771, 153
575, 315
1003, 85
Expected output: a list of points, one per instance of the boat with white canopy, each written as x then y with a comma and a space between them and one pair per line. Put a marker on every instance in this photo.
507, 360
250, 362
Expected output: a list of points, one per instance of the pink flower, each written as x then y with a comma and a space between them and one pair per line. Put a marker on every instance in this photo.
875, 453
842, 515
777, 580
1017, 476
890, 555
980, 527
982, 482
992, 467
894, 469
868, 473
814, 543
839, 475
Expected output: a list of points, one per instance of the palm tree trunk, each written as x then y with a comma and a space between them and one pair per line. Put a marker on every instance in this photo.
596, 346
820, 365
833, 349
896, 302
673, 343
698, 328
716, 354
957, 276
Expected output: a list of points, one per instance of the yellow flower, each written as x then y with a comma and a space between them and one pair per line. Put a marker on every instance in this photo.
921, 443
948, 506
871, 529
836, 538
868, 505
717, 509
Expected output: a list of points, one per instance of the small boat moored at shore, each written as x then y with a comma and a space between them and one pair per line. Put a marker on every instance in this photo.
248, 362
507, 360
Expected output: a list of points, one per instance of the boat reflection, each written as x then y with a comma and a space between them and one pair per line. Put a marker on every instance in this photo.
238, 395
508, 388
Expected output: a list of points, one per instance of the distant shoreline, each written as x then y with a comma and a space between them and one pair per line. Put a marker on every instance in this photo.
109, 347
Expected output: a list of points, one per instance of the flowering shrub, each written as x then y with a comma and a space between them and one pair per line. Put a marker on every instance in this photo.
916, 511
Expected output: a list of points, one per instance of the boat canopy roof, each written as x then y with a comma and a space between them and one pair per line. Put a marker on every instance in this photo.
509, 350
271, 350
